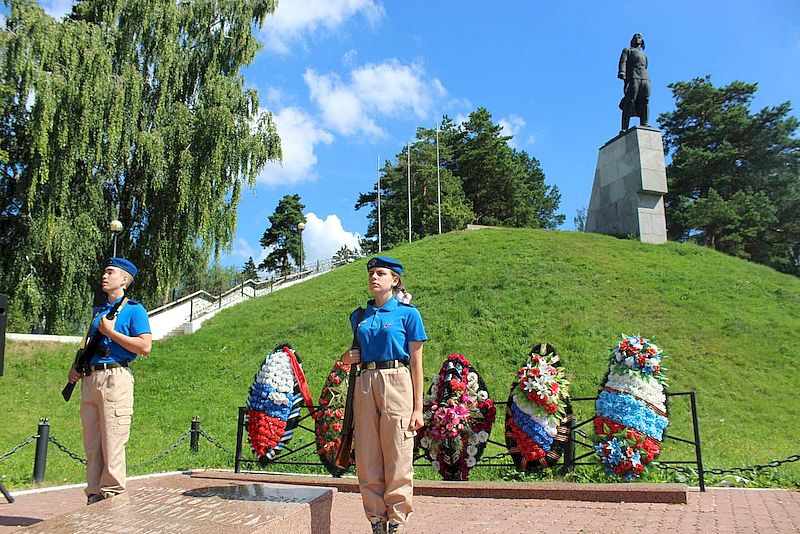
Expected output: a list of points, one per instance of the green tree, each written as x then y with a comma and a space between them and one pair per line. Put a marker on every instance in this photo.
345, 255
129, 109
734, 177
283, 236
505, 186
580, 220
249, 271
456, 212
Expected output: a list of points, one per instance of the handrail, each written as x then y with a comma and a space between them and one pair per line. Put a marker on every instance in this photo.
255, 284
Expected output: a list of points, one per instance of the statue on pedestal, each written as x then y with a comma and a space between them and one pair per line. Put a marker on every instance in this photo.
633, 71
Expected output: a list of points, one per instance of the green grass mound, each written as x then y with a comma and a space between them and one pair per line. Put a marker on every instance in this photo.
728, 329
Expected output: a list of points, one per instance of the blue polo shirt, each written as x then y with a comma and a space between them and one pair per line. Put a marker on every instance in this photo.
384, 333
132, 321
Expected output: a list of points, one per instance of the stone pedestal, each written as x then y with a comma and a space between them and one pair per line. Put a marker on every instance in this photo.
629, 186
178, 503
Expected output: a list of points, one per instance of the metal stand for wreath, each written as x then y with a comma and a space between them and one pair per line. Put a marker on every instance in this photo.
280, 457
570, 460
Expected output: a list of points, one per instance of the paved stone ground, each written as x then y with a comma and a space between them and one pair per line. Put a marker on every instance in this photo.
717, 510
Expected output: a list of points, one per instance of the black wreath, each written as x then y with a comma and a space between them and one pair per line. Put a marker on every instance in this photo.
452, 369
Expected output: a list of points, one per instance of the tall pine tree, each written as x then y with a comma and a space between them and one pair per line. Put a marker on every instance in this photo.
283, 236
734, 178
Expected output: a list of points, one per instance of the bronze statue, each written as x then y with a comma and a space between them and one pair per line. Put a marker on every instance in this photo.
633, 71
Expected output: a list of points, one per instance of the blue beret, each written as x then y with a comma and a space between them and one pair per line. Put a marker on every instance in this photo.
123, 264
385, 261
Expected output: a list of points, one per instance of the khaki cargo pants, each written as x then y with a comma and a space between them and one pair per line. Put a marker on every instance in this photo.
384, 447
106, 411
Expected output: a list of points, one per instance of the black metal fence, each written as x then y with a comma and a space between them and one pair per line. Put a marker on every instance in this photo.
568, 463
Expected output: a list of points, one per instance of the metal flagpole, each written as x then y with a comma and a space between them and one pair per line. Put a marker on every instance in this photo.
409, 192
378, 172
438, 179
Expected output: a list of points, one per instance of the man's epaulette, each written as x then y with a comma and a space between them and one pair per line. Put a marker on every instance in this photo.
131, 301
407, 304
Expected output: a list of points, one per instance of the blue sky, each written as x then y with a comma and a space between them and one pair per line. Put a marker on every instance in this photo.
350, 80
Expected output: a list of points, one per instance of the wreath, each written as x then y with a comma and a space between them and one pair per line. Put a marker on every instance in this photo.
273, 405
458, 416
329, 416
538, 411
631, 410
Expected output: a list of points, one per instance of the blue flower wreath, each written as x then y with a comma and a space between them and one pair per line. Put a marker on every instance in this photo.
632, 413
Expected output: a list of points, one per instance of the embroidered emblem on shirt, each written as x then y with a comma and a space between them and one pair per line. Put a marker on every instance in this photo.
387, 325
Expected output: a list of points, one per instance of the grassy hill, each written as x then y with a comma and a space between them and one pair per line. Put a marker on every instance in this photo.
728, 329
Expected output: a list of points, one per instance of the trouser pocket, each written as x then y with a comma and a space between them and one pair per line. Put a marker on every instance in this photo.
122, 421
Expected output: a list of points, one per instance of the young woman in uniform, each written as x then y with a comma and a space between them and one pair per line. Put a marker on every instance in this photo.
388, 396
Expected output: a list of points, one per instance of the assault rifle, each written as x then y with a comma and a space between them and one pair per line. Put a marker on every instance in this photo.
88, 349
346, 446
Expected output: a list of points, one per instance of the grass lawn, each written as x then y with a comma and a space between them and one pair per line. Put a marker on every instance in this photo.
728, 329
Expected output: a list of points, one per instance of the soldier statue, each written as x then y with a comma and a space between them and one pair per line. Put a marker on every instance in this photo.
633, 71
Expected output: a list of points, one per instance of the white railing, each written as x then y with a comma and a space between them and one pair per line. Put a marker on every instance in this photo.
188, 313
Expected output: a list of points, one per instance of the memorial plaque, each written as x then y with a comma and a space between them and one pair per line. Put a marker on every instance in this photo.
181, 504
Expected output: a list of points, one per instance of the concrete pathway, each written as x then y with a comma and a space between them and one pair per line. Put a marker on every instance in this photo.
717, 510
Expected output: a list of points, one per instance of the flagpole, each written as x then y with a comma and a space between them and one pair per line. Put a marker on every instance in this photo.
409, 191
438, 179
378, 172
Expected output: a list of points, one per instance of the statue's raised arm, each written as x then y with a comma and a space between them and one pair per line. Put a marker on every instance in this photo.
633, 72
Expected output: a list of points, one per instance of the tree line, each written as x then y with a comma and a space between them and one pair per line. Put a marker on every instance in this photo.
137, 110
734, 174
483, 181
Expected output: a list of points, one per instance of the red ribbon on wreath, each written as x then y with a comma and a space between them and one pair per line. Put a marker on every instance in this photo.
299, 376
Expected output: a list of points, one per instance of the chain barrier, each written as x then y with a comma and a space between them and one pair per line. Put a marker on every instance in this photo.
753, 469
214, 442
163, 453
65, 450
18, 447
730, 470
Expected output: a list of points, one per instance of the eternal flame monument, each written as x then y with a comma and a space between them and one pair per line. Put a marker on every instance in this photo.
630, 179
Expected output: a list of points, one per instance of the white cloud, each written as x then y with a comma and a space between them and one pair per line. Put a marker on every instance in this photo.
389, 89
323, 237
56, 8
341, 108
294, 20
512, 125
299, 134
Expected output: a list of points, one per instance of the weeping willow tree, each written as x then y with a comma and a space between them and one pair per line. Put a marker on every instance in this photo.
128, 109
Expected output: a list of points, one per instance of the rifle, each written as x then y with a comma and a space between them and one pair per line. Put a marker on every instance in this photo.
346, 446
84, 354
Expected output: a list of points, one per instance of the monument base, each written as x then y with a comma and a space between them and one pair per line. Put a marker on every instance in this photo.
183, 504
629, 186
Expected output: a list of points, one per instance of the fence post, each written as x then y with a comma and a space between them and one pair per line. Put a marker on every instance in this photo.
40, 460
237, 462
698, 453
191, 309
194, 434
569, 452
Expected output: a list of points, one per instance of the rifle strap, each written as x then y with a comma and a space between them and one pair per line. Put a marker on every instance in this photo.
86, 336
359, 318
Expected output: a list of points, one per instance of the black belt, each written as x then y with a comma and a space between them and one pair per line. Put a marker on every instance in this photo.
388, 364
104, 366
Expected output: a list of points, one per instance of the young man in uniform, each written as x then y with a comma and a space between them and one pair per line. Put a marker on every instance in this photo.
107, 382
